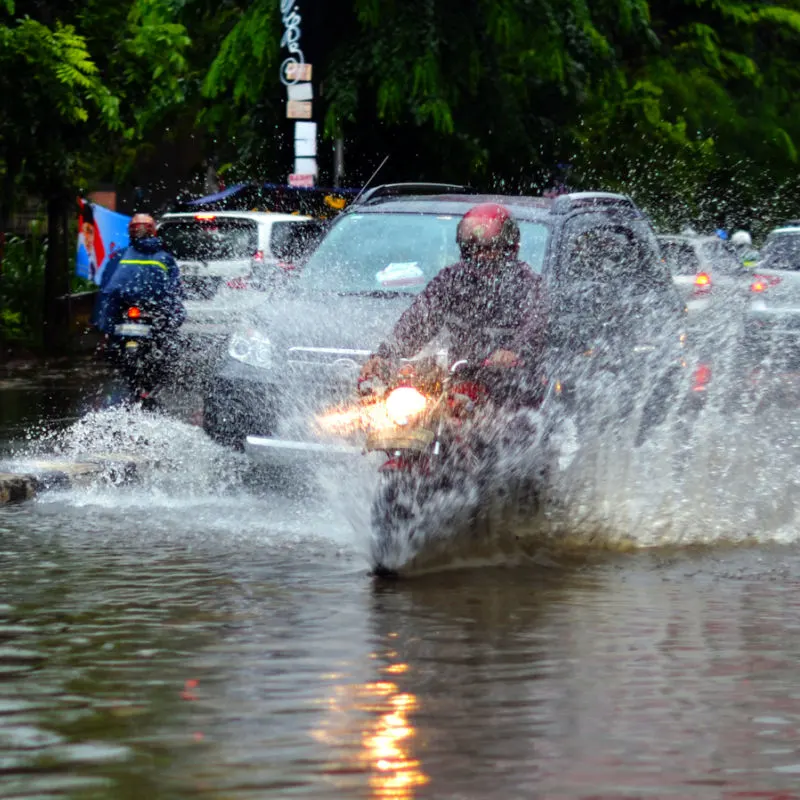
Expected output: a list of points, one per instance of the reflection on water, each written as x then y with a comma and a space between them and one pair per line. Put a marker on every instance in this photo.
380, 714
162, 647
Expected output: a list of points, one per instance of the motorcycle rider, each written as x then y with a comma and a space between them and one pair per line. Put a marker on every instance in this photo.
491, 303
144, 273
743, 245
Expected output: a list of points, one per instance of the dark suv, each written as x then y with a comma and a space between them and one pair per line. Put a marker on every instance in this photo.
303, 350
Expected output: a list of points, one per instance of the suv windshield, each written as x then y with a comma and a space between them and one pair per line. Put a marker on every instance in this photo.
781, 251
214, 239
398, 252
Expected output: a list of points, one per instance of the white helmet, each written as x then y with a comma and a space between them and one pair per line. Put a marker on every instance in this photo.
742, 238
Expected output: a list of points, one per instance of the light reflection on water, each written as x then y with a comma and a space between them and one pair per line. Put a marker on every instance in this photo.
386, 735
156, 660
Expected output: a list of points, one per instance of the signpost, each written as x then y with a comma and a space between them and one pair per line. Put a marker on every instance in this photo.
295, 75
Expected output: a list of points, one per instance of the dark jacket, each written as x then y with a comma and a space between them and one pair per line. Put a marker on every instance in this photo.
142, 274
483, 310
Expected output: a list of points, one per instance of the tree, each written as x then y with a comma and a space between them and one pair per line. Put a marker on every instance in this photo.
667, 98
77, 87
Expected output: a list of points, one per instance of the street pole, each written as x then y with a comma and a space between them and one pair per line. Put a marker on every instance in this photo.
295, 75
338, 162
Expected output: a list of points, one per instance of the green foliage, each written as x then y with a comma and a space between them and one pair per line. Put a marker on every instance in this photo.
661, 97
81, 93
21, 287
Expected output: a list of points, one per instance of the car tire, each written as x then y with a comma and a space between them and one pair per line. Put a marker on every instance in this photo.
223, 425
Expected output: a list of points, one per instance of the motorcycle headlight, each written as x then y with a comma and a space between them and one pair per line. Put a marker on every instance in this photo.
404, 403
251, 347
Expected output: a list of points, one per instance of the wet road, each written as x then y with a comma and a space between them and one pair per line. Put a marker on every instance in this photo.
191, 638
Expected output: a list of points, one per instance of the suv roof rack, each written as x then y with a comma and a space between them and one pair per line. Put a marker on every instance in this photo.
565, 203
400, 189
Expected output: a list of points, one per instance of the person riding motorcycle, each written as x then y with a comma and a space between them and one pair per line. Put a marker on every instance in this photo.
743, 246
491, 303
143, 274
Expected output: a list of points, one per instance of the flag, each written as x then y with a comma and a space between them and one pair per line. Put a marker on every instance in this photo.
100, 232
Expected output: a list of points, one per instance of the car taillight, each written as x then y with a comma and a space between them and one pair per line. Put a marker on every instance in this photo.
205, 216
701, 378
702, 283
258, 255
134, 312
763, 282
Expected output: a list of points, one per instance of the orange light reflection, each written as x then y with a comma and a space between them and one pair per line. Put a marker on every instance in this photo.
385, 740
387, 744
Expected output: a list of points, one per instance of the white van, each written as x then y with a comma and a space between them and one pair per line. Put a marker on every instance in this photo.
225, 256
217, 247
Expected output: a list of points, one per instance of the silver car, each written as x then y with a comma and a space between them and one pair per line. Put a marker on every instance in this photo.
774, 309
705, 270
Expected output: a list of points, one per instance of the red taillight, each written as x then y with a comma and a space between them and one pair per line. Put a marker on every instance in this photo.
763, 282
134, 312
702, 284
205, 216
286, 266
258, 255
702, 377
238, 283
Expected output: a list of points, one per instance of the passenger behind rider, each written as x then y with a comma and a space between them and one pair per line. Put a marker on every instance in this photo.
491, 304
144, 273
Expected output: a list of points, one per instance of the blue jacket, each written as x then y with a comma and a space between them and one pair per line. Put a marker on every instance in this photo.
142, 274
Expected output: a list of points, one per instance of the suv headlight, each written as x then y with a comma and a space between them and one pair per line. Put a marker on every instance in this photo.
251, 347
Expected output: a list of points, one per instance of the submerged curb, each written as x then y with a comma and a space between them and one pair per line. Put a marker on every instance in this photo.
24, 480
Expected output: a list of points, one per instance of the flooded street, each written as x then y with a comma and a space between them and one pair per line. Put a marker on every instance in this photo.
195, 637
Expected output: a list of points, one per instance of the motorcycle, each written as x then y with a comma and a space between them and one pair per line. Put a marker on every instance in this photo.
438, 428
140, 348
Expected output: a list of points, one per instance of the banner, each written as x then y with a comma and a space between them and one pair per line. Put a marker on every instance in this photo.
100, 232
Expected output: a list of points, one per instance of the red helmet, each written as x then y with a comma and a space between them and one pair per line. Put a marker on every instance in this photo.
141, 226
488, 230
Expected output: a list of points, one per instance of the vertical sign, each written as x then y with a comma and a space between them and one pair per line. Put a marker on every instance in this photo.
295, 75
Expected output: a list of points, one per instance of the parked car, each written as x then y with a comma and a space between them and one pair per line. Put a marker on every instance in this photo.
597, 252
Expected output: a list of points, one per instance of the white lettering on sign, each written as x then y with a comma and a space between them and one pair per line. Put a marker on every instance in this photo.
291, 41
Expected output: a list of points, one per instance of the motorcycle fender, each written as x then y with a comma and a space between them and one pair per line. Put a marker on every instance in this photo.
403, 463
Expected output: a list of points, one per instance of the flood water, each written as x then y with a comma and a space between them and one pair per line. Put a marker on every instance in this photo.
192, 637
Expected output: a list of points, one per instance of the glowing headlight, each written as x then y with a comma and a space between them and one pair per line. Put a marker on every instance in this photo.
251, 347
404, 403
